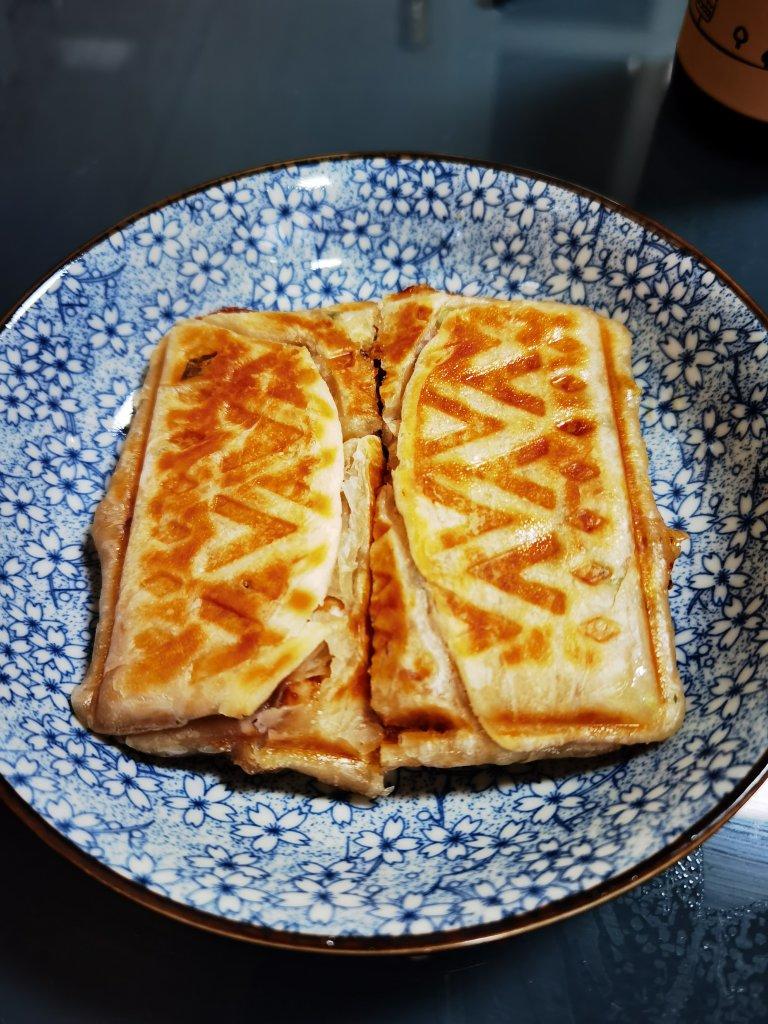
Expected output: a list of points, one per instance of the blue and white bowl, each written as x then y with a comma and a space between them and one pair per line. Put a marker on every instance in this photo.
449, 857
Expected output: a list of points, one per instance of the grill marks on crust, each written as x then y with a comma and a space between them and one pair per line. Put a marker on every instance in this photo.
204, 515
405, 324
526, 519
338, 338
111, 530
415, 688
320, 719
327, 697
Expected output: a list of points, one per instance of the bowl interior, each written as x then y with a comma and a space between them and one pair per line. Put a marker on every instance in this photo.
445, 850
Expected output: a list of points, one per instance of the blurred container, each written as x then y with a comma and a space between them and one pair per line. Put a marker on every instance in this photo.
723, 46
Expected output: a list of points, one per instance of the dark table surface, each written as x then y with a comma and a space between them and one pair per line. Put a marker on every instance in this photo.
106, 107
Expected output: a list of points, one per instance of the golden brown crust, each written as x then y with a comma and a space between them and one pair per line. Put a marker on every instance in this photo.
414, 683
230, 549
402, 330
111, 528
415, 689
532, 514
521, 503
657, 547
328, 729
337, 337
320, 720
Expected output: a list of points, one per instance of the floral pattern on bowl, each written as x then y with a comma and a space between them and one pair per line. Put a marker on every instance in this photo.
446, 851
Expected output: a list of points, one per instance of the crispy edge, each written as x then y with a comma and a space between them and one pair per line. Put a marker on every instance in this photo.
111, 530
656, 546
339, 339
405, 324
408, 650
252, 751
349, 647
466, 748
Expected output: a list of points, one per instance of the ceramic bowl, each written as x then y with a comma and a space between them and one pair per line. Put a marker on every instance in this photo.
448, 857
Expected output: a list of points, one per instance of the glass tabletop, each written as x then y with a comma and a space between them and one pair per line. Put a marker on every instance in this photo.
109, 107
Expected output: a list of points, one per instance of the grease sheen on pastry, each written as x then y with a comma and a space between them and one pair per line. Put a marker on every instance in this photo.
274, 592
234, 543
523, 513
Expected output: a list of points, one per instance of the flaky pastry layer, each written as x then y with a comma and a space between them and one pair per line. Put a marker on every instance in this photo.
513, 566
522, 493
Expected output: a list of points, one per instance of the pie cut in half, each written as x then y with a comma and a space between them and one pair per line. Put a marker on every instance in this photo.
489, 587
520, 565
234, 542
